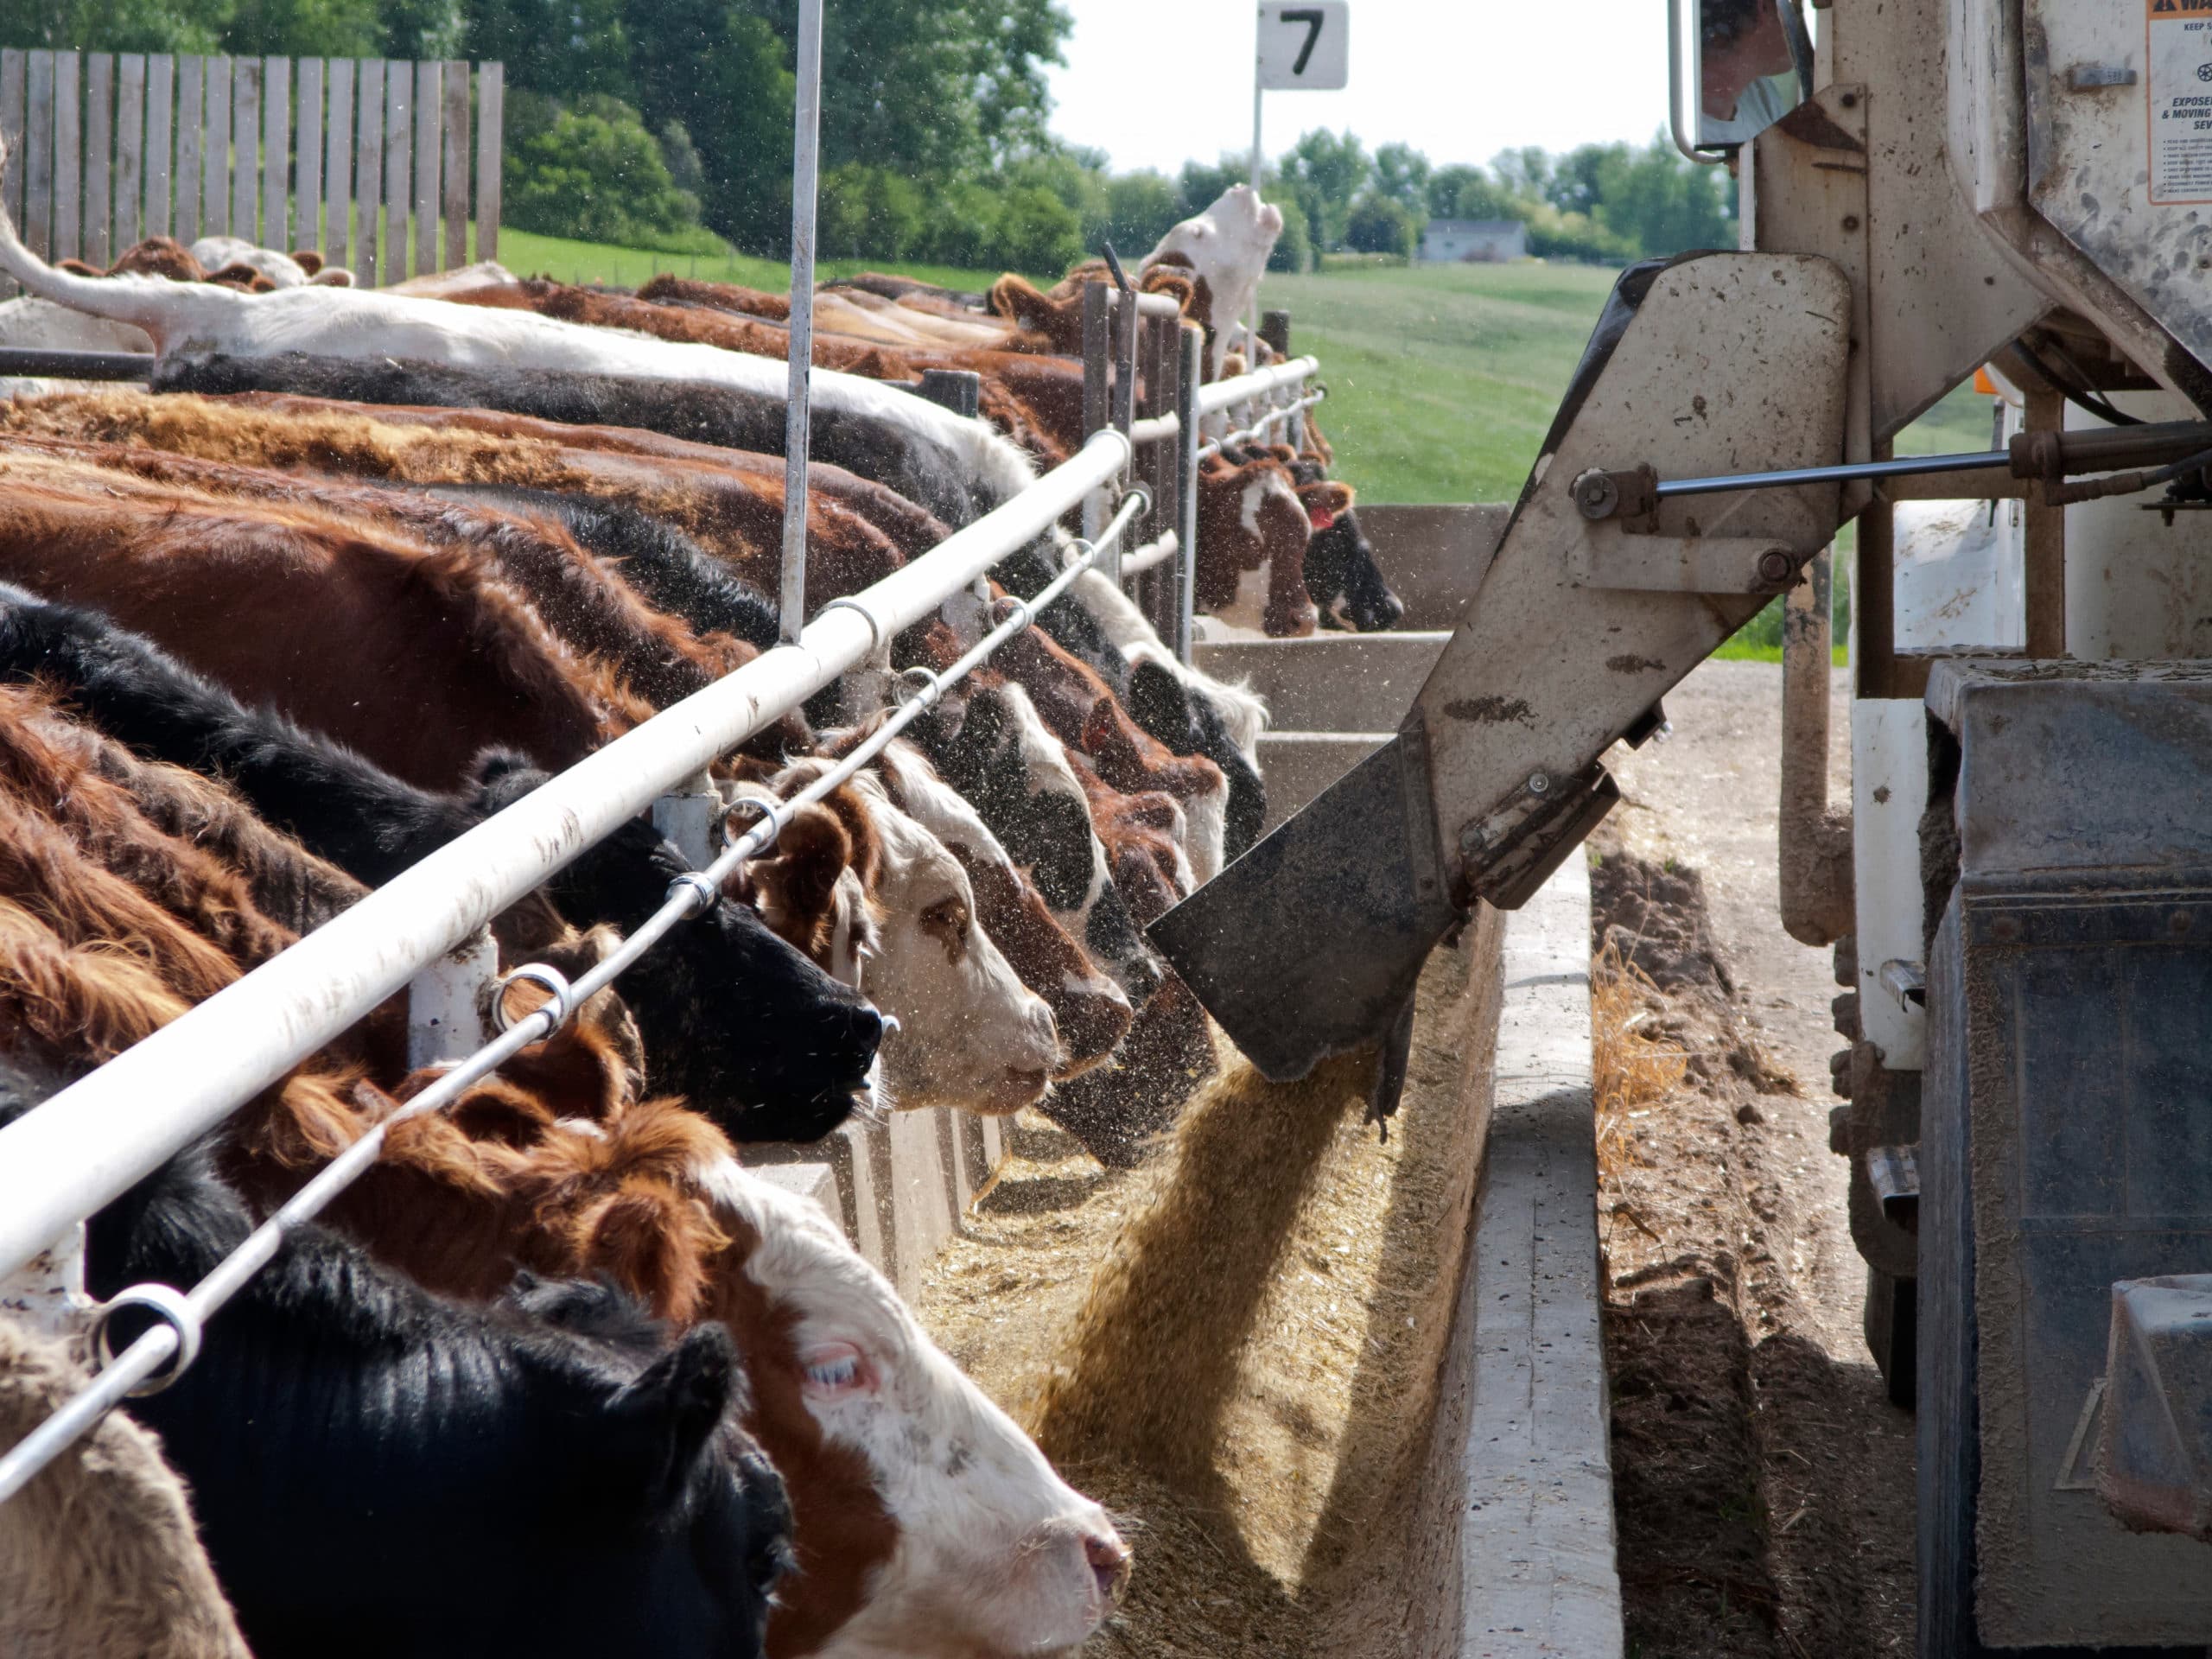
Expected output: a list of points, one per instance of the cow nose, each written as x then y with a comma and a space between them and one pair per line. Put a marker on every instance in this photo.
864, 1029
1144, 976
1109, 1564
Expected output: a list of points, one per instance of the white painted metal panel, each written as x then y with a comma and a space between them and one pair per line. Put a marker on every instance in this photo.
1889, 791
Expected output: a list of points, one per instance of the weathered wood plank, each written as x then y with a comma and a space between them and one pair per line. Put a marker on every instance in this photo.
245, 145
338, 158
491, 111
99, 134
275, 154
308, 168
429, 98
191, 148
38, 153
129, 147
214, 146
453, 197
68, 155
368, 161
11, 131
398, 118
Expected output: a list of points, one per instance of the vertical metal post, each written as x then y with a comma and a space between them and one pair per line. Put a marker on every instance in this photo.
1121, 401
1096, 354
2043, 538
806, 136
446, 1002
491, 106
1252, 322
691, 815
1192, 346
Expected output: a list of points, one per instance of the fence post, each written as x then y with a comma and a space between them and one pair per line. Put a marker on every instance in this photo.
1096, 349
38, 155
398, 95
308, 145
1123, 402
69, 154
429, 100
129, 147
806, 139
1186, 485
245, 138
691, 816
455, 191
491, 105
11, 130
99, 138
339, 74
191, 117
214, 148
161, 141
275, 153
368, 167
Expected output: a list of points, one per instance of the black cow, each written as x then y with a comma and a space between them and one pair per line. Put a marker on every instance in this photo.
758, 1037
1341, 572
378, 1470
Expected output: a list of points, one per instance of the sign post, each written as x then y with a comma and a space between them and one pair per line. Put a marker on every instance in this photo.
1302, 47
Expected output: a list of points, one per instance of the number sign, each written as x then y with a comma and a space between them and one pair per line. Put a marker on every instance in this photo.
1302, 45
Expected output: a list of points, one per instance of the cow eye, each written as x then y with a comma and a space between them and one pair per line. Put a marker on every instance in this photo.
948, 917
833, 1368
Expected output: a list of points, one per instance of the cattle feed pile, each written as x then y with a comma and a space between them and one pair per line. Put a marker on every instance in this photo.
1237, 1346
559, 1372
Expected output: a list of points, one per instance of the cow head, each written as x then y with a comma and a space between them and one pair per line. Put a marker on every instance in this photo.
1250, 520
1091, 1011
927, 1524
812, 889
1226, 249
968, 1034
1341, 573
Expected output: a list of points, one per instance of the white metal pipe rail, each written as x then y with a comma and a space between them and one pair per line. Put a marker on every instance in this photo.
89, 1143
1260, 382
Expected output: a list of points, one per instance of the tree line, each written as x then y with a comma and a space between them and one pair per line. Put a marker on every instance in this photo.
667, 125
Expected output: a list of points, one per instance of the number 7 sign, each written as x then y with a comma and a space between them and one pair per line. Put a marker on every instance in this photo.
1302, 45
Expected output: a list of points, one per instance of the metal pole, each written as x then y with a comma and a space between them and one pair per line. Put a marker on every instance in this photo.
806, 144
1121, 404
1192, 346
1252, 322
1097, 350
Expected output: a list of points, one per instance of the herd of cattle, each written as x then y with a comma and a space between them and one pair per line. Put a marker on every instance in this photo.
560, 1375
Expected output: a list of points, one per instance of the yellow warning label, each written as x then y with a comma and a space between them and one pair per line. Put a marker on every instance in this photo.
2178, 49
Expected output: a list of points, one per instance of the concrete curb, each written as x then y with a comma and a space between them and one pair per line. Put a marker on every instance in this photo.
1538, 1572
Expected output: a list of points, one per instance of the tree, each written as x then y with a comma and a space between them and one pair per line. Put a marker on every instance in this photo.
337, 29
1037, 233
557, 48
1523, 172
867, 211
1377, 224
1140, 209
1202, 183
1464, 191
1326, 172
722, 73
1294, 249
597, 174
1402, 174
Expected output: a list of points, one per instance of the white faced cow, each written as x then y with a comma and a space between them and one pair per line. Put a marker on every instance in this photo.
1226, 249
988, 1553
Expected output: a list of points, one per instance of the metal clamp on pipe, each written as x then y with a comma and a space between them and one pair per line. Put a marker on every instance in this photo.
169, 1306
560, 997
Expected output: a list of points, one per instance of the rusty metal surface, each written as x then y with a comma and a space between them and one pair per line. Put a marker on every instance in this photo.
2154, 1448
1813, 838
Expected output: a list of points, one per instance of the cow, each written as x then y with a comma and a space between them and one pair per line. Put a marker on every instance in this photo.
302, 269
973, 464
780, 1059
925, 1522
1252, 524
839, 308
966, 1033
731, 504
437, 663
482, 1478
1091, 1011
1226, 250
883, 448
99, 1554
589, 609
1341, 572
987, 740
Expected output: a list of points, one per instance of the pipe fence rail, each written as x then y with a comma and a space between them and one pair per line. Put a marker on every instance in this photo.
1135, 476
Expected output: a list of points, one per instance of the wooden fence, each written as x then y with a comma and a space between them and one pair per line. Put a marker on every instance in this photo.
366, 160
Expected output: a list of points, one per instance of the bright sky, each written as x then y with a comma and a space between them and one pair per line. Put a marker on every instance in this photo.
1156, 82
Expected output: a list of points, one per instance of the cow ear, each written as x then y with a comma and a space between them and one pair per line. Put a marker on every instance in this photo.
660, 1424
307, 259
1017, 298
1333, 496
1159, 703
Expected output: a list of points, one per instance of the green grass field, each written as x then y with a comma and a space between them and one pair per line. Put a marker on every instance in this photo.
529, 254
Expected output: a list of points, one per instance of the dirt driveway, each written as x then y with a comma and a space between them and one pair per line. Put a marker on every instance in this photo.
1765, 1484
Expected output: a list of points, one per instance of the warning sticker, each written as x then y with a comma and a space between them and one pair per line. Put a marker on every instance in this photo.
2180, 56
